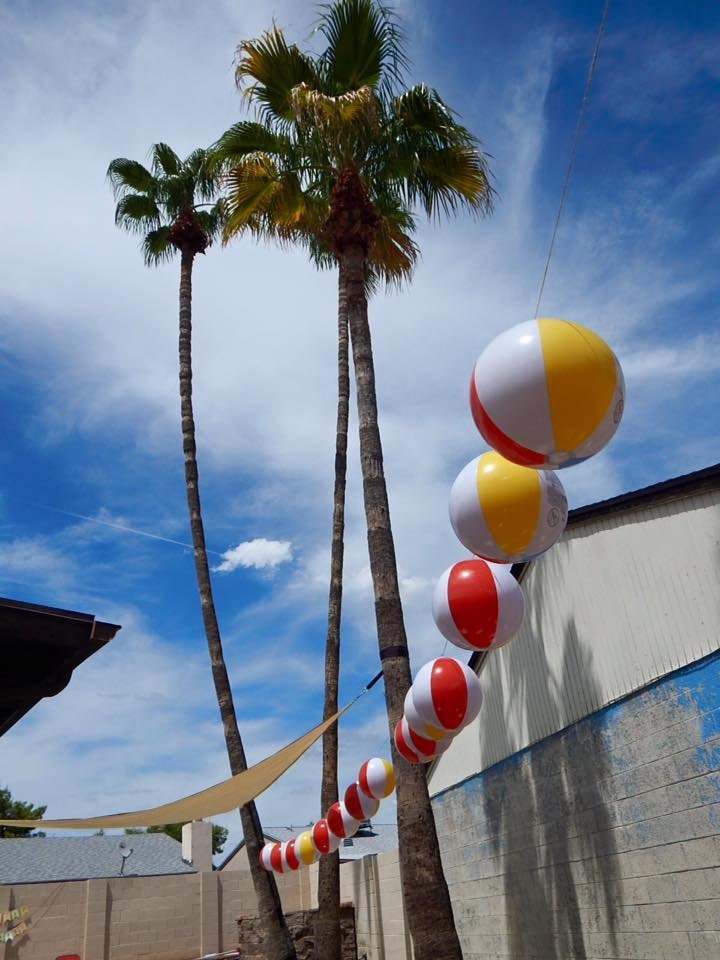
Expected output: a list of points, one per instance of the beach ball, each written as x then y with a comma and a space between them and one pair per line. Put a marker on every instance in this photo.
477, 605
446, 695
341, 822
305, 849
547, 393
377, 778
323, 837
507, 513
359, 804
276, 858
290, 854
264, 857
415, 748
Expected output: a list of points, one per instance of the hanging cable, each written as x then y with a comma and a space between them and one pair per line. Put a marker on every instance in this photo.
573, 152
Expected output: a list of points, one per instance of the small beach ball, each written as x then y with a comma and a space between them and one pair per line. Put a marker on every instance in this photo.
359, 804
446, 696
305, 849
276, 858
547, 393
477, 605
264, 857
507, 513
323, 837
341, 822
415, 748
291, 858
377, 778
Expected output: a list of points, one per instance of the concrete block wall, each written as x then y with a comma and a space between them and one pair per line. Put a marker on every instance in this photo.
372, 885
602, 841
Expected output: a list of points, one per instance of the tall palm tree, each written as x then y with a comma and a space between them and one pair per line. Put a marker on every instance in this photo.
341, 142
172, 206
344, 144
271, 200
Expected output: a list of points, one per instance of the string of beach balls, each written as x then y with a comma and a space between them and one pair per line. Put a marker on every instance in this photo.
545, 394
375, 782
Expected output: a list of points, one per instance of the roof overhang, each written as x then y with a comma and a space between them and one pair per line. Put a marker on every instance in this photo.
40, 647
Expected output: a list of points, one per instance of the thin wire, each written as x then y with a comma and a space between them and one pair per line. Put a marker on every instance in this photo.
573, 152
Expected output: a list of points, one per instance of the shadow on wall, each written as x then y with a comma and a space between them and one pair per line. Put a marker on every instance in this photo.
547, 820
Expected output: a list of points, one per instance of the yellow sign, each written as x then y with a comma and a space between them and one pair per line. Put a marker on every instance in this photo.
20, 925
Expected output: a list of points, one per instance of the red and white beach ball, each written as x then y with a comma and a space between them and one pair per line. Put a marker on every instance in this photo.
547, 393
305, 849
416, 748
507, 513
477, 605
377, 778
359, 804
276, 858
264, 857
290, 855
446, 695
341, 822
323, 837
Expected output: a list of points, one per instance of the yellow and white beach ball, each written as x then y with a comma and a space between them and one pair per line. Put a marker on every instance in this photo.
377, 778
547, 393
305, 849
504, 512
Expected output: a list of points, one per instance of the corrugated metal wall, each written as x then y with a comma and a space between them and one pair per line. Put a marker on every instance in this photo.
622, 600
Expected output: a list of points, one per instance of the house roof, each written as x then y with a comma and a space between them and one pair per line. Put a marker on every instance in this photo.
371, 838
39, 649
45, 859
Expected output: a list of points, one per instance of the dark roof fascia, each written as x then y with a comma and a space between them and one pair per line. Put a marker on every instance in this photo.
238, 848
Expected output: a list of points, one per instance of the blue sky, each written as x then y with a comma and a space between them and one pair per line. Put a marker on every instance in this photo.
88, 360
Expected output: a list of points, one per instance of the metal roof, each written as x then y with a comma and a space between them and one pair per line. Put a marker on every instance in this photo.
46, 859
40, 647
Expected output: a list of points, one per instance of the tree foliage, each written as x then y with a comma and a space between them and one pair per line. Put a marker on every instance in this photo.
18, 810
174, 830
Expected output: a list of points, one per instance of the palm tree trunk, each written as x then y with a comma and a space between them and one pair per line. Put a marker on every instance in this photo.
278, 944
425, 891
328, 938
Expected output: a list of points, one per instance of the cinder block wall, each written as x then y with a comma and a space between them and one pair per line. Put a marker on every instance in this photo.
602, 841
372, 885
166, 918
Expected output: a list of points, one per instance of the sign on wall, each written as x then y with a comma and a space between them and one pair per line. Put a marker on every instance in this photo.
14, 925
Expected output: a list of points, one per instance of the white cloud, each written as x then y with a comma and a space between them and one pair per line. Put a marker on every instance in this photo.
259, 554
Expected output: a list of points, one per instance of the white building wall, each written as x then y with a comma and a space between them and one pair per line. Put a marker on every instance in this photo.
621, 601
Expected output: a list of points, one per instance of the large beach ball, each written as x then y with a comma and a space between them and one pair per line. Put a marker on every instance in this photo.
416, 748
377, 778
341, 821
446, 695
305, 849
359, 804
323, 837
477, 605
264, 857
547, 393
507, 513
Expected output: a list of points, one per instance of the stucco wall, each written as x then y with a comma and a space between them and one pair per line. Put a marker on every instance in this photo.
602, 841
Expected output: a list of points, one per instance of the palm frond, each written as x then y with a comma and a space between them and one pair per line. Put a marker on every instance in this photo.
212, 220
268, 69
365, 46
448, 179
156, 247
245, 138
165, 161
125, 175
137, 212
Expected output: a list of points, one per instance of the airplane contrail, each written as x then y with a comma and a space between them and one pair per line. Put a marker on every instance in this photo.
120, 526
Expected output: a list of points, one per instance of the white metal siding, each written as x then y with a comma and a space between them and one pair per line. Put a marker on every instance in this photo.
622, 600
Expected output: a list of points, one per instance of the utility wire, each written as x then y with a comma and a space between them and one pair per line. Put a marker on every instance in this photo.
573, 152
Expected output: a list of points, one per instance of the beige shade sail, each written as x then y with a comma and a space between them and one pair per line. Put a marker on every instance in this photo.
220, 798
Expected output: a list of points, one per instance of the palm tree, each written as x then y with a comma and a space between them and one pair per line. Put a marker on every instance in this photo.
172, 206
339, 145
